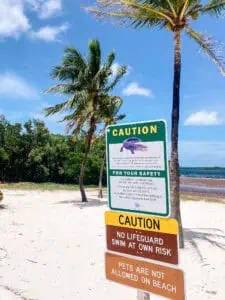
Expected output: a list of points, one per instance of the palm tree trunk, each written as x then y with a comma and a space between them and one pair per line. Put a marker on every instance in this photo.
1, 195
174, 164
100, 192
83, 164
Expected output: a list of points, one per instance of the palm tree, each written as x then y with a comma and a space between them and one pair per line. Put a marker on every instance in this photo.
111, 119
175, 16
87, 82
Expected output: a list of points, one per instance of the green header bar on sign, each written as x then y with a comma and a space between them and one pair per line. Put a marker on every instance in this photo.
137, 173
140, 130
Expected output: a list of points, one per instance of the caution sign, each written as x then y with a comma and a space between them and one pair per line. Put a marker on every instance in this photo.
142, 222
138, 179
142, 236
157, 279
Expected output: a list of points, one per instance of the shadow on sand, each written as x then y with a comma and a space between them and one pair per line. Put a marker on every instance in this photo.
92, 202
213, 236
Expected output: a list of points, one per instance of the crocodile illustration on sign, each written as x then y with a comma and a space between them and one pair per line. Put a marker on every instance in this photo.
133, 144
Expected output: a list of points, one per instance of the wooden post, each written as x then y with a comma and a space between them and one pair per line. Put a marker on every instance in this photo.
143, 296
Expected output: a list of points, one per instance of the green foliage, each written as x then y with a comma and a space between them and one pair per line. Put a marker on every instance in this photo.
214, 7
172, 15
87, 82
30, 153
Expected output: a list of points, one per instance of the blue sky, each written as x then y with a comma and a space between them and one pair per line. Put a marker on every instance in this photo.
34, 33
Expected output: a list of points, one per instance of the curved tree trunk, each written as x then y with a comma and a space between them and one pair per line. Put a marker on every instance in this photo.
1, 195
174, 163
100, 192
83, 164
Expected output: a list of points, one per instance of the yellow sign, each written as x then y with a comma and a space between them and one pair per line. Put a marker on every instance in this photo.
141, 222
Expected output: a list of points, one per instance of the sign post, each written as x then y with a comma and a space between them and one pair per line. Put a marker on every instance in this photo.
142, 241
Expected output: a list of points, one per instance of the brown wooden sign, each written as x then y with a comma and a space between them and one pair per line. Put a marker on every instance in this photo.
147, 244
157, 279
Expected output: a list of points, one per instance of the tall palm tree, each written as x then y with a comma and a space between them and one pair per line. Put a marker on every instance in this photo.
112, 118
175, 16
87, 82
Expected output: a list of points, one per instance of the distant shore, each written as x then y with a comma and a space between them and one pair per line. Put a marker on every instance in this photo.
192, 188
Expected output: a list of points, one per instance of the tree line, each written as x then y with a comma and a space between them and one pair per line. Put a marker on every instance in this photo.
30, 152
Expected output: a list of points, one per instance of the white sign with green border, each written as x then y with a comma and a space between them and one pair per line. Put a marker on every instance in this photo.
138, 179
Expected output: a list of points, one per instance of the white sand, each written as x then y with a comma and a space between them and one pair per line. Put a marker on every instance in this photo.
55, 249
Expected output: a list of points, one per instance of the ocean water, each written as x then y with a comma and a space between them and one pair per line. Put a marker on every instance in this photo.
203, 172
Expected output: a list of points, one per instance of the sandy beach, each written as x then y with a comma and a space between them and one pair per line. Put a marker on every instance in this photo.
52, 247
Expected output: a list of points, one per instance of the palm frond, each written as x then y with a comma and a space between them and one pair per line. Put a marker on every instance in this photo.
55, 109
214, 7
87, 81
120, 117
194, 9
74, 58
184, 9
75, 125
94, 57
121, 71
139, 21
72, 64
76, 121
172, 8
78, 101
110, 107
137, 13
62, 89
110, 60
175, 6
63, 73
210, 48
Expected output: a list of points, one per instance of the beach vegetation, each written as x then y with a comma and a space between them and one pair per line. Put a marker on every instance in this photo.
86, 82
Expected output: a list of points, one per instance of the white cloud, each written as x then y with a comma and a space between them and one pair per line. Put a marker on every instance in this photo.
13, 21
45, 8
50, 8
49, 33
13, 86
135, 89
116, 66
203, 118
